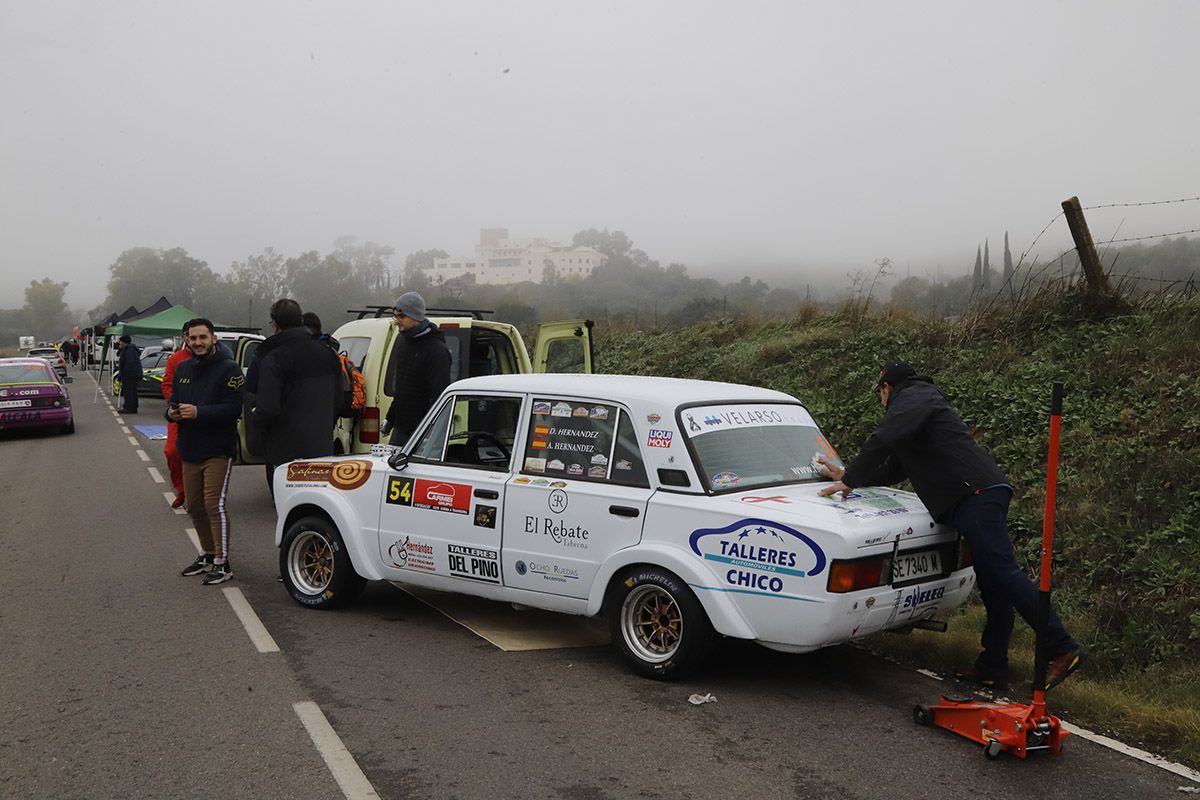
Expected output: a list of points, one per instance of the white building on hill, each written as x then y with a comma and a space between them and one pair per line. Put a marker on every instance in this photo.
500, 260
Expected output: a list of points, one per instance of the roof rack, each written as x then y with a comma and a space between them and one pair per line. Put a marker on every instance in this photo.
236, 329
382, 311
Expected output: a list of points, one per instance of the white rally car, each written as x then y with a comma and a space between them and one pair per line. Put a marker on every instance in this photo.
679, 509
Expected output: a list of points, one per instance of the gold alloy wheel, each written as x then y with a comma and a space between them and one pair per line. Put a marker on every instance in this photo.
651, 623
310, 563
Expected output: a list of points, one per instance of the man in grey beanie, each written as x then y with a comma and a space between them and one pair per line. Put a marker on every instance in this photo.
419, 369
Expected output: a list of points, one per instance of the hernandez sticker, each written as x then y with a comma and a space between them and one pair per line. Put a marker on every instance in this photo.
439, 496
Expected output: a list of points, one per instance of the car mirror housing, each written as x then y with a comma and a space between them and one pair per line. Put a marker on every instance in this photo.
398, 460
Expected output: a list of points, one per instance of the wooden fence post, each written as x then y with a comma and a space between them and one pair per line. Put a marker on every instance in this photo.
1093, 272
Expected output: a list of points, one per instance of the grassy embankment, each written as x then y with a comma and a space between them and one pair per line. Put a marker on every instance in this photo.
1127, 567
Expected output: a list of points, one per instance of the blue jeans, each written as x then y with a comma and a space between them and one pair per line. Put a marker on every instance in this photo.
982, 520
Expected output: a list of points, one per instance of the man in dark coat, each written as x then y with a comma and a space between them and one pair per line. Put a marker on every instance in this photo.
419, 370
129, 370
922, 438
294, 411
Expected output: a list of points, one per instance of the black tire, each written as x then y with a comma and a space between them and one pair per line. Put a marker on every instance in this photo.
69, 427
922, 715
658, 625
315, 566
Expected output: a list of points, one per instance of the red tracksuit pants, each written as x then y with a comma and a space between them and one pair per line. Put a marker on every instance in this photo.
174, 462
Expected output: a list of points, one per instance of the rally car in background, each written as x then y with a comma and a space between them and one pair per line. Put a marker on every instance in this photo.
34, 395
681, 510
51, 354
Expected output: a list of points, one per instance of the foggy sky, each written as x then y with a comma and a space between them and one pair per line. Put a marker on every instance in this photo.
759, 135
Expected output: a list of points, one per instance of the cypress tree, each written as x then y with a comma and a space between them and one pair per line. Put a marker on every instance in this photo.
978, 268
987, 267
1008, 265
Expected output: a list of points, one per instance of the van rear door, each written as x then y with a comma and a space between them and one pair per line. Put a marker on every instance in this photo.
244, 354
564, 347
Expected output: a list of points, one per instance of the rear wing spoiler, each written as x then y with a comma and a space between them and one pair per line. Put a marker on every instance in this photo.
386, 311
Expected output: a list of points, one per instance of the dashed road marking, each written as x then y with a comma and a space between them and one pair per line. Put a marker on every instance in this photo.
156, 475
142, 455
254, 628
133, 441
345, 769
170, 498
195, 537
125, 429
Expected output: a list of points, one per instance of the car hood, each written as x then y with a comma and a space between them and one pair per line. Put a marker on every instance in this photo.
868, 516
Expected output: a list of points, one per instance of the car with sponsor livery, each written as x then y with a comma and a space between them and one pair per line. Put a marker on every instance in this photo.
34, 395
683, 511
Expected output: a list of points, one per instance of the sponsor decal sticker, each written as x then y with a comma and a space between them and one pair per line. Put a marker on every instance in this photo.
555, 463
485, 516
399, 491
557, 500
474, 563
659, 438
600, 459
521, 568
624, 464
574, 469
560, 410
410, 553
654, 419
553, 572
559, 532
535, 465
539, 482
343, 475
758, 556
724, 480
541, 408
439, 496
598, 412
692, 424
712, 420
918, 598
579, 411
521, 479
558, 485
597, 472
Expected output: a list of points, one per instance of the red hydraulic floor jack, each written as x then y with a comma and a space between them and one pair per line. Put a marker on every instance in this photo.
1012, 727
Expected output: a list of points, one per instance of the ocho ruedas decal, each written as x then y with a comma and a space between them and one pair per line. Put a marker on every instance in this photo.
758, 556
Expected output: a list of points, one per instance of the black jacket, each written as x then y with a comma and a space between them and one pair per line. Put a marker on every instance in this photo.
214, 385
293, 409
129, 366
418, 372
925, 440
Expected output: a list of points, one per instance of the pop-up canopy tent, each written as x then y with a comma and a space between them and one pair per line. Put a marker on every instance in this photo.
167, 322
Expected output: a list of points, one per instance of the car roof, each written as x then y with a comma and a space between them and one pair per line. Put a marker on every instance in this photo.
638, 388
38, 360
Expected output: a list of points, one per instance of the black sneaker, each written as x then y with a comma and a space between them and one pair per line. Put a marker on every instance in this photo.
218, 574
202, 563
980, 677
1061, 667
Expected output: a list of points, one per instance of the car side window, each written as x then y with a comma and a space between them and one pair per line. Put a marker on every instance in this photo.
355, 348
474, 431
582, 441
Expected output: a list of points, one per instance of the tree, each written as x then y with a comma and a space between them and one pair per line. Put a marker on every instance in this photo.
1008, 263
415, 265
987, 267
369, 261
45, 311
141, 275
978, 268
549, 272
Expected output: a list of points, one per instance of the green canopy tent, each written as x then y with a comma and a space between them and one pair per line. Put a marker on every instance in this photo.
165, 323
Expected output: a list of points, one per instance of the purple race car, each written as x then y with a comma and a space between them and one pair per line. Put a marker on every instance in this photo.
32, 395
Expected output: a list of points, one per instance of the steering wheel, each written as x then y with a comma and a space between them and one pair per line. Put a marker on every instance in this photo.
475, 438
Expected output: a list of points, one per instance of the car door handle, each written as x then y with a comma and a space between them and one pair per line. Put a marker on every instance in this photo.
623, 511
487, 494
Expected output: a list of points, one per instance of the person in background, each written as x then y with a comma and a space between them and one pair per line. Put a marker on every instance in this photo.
129, 370
422, 367
296, 380
171, 448
206, 402
922, 438
313, 323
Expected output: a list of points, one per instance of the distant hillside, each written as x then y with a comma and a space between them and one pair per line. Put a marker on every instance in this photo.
1128, 522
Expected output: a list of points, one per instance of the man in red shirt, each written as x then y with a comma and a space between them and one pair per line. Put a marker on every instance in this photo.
174, 462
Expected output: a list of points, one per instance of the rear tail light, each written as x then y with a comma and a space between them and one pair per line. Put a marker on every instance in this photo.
861, 573
964, 555
368, 426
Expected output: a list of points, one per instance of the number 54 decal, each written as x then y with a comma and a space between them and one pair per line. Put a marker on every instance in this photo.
400, 491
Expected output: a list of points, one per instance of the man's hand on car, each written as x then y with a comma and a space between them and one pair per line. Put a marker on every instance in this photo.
829, 469
385, 428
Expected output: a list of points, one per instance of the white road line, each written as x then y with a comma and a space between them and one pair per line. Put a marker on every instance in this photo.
142, 455
254, 628
125, 430
346, 771
133, 441
170, 498
1133, 752
156, 475
195, 537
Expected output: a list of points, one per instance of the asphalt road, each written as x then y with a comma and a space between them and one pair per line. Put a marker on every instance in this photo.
119, 678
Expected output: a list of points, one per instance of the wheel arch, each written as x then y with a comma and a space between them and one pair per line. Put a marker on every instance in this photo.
341, 516
723, 614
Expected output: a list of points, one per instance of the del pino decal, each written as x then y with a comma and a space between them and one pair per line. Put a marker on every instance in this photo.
344, 475
761, 557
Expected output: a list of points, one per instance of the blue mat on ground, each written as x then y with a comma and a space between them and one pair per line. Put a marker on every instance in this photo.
152, 431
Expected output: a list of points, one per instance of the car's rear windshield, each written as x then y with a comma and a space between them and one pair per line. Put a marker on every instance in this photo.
24, 373
741, 446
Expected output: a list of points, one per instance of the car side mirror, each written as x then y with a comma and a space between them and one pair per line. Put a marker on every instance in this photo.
398, 460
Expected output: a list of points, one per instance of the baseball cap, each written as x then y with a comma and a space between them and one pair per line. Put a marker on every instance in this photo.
894, 373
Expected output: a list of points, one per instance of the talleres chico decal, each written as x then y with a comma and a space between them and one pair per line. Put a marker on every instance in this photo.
474, 563
759, 556
344, 475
